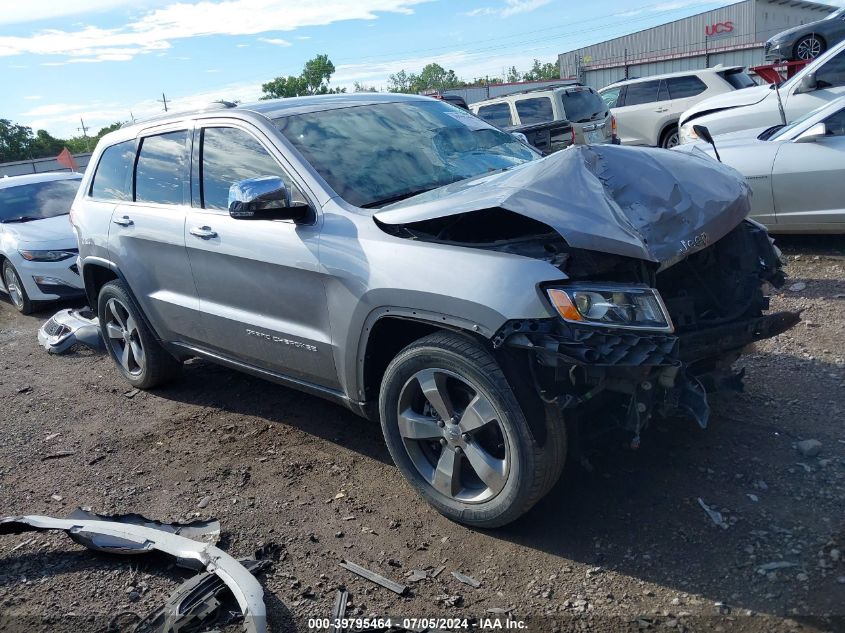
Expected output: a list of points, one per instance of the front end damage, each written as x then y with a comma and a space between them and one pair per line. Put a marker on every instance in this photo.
716, 299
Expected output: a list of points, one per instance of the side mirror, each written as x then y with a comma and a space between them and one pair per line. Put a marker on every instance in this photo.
704, 134
263, 198
808, 84
813, 134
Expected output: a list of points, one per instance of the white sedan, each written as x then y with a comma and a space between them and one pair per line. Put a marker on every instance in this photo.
38, 249
797, 171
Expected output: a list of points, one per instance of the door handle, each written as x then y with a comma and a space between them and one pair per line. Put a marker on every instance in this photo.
662, 110
203, 232
124, 221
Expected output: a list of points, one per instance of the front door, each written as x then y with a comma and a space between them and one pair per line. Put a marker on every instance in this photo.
808, 180
260, 283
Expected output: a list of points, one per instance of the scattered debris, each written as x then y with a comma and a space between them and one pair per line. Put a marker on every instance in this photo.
26, 389
132, 393
22, 544
52, 436
806, 467
56, 497
205, 531
715, 516
809, 448
416, 575
395, 587
798, 286
449, 600
66, 328
762, 569
467, 580
438, 571
203, 503
58, 455
137, 539
500, 611
341, 600
753, 497
269, 551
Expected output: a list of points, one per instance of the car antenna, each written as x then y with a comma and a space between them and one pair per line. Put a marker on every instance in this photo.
780, 104
703, 133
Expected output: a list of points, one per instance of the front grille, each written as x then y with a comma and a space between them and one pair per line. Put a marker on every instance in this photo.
53, 328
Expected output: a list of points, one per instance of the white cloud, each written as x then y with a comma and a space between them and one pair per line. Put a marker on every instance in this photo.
511, 7
157, 29
275, 41
34, 10
32, 97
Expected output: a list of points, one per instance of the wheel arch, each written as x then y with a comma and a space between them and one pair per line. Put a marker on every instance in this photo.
672, 125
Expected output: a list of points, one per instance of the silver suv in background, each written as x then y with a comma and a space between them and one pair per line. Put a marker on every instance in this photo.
648, 109
551, 118
413, 263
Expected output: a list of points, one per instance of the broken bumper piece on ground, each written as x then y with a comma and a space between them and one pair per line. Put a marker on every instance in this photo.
131, 537
66, 328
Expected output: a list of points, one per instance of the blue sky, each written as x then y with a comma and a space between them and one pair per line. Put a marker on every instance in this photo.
102, 59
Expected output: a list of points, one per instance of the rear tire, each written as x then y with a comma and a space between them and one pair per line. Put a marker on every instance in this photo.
457, 433
15, 290
136, 352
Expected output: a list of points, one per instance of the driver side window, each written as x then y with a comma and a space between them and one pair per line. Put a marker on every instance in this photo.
832, 73
835, 124
229, 155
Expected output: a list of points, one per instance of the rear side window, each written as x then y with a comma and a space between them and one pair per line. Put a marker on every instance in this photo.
642, 92
230, 155
536, 110
739, 79
836, 124
161, 173
113, 178
685, 87
583, 105
498, 114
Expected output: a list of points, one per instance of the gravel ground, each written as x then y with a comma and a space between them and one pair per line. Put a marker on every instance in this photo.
625, 547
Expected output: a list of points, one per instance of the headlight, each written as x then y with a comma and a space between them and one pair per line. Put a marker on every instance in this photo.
46, 256
637, 308
688, 134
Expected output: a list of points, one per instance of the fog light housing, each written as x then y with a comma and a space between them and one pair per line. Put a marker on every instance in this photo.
48, 281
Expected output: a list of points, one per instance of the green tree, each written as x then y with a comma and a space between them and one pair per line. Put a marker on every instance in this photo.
15, 141
359, 87
540, 71
435, 77
400, 82
514, 75
313, 80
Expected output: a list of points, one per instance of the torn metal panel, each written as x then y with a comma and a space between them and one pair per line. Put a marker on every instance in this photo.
637, 202
66, 328
189, 553
395, 587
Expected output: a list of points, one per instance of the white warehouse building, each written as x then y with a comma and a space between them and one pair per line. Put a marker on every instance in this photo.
733, 35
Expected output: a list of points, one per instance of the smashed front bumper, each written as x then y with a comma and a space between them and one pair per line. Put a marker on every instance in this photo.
663, 373
66, 328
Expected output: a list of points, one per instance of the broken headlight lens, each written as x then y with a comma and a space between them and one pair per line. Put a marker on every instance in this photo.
632, 307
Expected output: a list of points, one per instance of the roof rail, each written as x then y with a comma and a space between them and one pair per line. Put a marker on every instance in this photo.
220, 104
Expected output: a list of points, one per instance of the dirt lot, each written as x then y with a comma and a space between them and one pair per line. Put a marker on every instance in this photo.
625, 547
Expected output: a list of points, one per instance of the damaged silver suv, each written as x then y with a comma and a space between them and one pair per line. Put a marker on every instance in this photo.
402, 257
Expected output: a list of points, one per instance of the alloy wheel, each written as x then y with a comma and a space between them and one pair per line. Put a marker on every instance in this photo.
809, 48
10, 280
451, 432
673, 140
124, 338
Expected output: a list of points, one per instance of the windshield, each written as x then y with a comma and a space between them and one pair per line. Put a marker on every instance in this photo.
581, 106
375, 154
786, 129
37, 200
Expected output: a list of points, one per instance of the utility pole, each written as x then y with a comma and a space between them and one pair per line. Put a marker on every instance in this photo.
84, 134
163, 100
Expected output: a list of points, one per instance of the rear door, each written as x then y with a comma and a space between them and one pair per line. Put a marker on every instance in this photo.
808, 180
684, 92
260, 283
643, 105
147, 235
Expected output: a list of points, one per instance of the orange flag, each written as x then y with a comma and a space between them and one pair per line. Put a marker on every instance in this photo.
65, 159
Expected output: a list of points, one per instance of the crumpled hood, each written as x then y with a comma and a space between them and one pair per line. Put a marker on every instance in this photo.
649, 204
55, 229
727, 100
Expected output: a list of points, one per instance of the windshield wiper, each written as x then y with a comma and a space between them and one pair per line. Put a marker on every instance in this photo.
22, 218
400, 196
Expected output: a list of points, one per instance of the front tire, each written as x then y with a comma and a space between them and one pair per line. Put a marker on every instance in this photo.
670, 138
808, 48
15, 290
138, 355
457, 433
